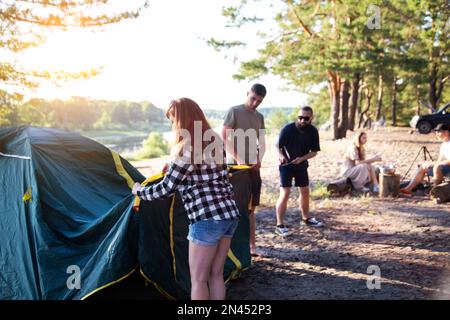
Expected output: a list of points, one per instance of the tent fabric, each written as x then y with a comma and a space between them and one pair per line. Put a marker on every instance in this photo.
66, 206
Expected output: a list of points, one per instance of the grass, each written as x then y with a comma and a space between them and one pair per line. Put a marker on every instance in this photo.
268, 197
353, 200
319, 191
326, 203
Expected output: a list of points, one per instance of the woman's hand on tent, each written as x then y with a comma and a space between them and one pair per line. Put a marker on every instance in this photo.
136, 187
165, 168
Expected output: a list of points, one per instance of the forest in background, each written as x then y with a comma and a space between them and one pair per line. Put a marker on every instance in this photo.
372, 59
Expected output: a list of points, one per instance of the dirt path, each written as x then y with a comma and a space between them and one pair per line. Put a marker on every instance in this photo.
409, 245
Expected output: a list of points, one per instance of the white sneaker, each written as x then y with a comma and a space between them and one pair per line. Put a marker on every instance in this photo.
364, 190
313, 222
282, 231
376, 188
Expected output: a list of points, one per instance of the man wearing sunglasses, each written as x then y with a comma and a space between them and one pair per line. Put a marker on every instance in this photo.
298, 142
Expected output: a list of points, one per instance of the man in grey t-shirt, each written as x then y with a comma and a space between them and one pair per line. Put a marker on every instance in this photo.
243, 132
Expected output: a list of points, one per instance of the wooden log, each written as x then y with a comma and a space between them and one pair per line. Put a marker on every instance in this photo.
441, 192
340, 186
389, 185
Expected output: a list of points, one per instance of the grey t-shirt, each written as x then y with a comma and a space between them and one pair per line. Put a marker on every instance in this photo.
239, 117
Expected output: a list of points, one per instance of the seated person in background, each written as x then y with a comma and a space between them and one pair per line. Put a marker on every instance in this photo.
437, 169
357, 168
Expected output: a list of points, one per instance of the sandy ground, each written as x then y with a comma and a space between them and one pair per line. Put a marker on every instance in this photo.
406, 239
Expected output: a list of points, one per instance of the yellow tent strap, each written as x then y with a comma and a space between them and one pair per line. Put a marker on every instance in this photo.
28, 195
239, 166
171, 238
121, 170
161, 290
151, 179
235, 273
109, 284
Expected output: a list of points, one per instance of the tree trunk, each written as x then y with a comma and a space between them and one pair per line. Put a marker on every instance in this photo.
436, 86
334, 90
432, 88
343, 110
354, 101
394, 102
379, 97
367, 123
417, 100
361, 99
366, 107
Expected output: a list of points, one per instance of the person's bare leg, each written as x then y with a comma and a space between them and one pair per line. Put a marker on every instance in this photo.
373, 174
438, 175
200, 261
252, 224
216, 282
282, 204
304, 202
417, 179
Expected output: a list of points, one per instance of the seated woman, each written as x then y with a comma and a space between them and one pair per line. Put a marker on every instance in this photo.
437, 169
357, 168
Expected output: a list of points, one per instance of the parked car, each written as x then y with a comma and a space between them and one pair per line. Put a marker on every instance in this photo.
426, 123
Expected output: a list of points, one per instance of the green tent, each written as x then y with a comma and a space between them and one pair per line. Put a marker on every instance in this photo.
68, 229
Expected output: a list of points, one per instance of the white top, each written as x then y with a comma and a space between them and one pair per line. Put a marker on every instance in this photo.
445, 150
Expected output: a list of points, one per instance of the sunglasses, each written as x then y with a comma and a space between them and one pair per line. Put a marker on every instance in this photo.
304, 118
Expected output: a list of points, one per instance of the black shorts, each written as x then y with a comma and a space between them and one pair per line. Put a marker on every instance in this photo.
255, 177
299, 174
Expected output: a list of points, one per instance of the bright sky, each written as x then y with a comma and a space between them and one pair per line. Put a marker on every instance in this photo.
158, 57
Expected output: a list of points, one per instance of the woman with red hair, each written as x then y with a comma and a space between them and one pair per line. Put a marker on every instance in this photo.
207, 195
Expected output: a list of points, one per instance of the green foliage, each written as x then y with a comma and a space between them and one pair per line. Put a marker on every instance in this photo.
153, 147
277, 120
320, 103
5, 113
319, 191
82, 114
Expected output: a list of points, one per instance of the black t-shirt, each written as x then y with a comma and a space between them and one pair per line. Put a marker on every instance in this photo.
298, 142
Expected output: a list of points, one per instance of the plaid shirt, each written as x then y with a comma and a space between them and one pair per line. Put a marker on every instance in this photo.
205, 190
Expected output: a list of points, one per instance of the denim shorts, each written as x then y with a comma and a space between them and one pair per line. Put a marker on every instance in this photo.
209, 232
445, 171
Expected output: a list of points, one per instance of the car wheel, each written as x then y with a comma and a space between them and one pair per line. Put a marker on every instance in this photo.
424, 127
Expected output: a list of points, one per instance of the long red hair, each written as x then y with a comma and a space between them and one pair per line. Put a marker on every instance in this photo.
185, 112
